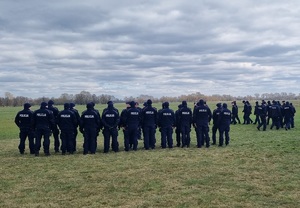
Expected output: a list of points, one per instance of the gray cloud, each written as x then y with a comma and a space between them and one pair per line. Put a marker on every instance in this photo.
128, 48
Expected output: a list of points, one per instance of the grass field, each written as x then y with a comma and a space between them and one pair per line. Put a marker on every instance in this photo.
257, 169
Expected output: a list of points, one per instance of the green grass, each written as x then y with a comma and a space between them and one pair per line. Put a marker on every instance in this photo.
257, 169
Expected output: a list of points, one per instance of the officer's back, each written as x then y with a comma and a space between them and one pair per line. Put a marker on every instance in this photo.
90, 118
43, 118
23, 118
167, 116
133, 116
185, 114
202, 114
149, 114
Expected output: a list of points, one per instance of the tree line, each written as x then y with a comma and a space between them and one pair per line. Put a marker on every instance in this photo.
84, 97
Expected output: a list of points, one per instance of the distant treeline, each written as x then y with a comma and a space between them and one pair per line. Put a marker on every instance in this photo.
84, 97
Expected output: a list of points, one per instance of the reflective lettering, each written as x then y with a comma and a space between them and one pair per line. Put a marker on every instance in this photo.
186, 113
24, 115
89, 116
167, 114
134, 113
149, 112
110, 115
65, 116
41, 114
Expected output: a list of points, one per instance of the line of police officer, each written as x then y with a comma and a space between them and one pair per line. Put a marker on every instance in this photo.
45, 120
281, 115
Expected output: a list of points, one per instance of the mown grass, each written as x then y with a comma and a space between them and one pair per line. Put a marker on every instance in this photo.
257, 169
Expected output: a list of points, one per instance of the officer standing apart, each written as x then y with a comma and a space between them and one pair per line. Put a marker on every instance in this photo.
185, 122
216, 122
23, 120
225, 118
201, 117
110, 121
166, 122
89, 127
67, 123
43, 121
149, 119
55, 130
287, 114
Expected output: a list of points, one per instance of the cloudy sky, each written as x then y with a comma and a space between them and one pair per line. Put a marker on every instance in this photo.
154, 47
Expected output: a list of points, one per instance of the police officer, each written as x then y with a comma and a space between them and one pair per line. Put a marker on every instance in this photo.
201, 117
185, 121
89, 127
122, 124
287, 114
100, 125
263, 112
55, 130
23, 120
269, 110
149, 119
216, 122
139, 135
276, 114
166, 122
235, 112
257, 113
225, 118
293, 115
132, 122
67, 123
178, 127
110, 121
247, 112
75, 111
43, 121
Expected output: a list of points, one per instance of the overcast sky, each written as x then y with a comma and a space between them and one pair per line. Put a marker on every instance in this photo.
154, 47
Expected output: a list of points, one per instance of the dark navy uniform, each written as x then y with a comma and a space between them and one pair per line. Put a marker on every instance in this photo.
110, 121
185, 122
247, 112
43, 122
225, 118
166, 122
293, 115
287, 114
75, 111
55, 130
122, 124
178, 127
67, 123
201, 117
262, 112
132, 122
275, 114
235, 112
149, 119
257, 113
23, 120
89, 126
100, 125
269, 110
216, 122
